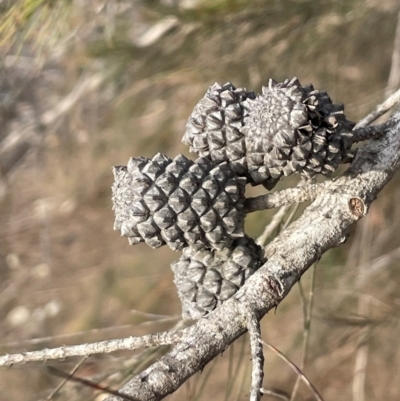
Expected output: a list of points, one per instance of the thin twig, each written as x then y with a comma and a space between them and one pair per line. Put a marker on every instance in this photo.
303, 377
237, 368
275, 394
274, 223
380, 110
89, 383
199, 392
307, 328
229, 382
130, 343
361, 359
62, 384
155, 317
303, 299
291, 215
276, 220
394, 76
245, 375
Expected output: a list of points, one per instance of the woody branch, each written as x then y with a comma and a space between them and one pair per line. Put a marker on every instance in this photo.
323, 225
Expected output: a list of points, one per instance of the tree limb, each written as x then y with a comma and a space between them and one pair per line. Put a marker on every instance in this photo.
323, 225
102, 347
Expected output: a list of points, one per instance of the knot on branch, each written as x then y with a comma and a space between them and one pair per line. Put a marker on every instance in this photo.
357, 207
274, 287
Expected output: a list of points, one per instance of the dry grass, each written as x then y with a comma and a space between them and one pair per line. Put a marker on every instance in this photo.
62, 268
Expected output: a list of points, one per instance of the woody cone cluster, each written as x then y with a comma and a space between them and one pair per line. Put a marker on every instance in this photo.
287, 128
198, 206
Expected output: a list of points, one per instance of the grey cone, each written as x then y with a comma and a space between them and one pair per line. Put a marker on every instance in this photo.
214, 127
290, 128
206, 278
178, 202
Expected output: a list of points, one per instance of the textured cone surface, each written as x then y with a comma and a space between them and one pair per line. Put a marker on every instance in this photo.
206, 278
290, 128
178, 202
214, 127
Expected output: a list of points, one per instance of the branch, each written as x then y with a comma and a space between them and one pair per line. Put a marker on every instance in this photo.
257, 356
102, 347
323, 225
284, 197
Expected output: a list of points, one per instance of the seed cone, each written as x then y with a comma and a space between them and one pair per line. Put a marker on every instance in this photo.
288, 128
292, 128
214, 127
178, 202
207, 278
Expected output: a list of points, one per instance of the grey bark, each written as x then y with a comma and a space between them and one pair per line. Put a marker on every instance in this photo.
323, 225
102, 347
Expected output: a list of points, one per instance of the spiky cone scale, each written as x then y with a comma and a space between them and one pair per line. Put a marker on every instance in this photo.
214, 127
206, 278
293, 128
178, 202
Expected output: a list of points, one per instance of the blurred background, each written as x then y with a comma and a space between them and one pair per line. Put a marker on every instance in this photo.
84, 85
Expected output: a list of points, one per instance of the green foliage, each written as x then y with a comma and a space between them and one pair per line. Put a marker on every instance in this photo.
32, 20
